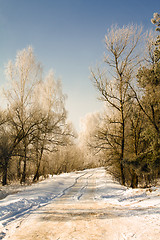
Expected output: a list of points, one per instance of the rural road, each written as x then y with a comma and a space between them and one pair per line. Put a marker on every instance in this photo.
76, 215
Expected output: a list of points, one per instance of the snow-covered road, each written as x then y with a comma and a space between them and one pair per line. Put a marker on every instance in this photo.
81, 205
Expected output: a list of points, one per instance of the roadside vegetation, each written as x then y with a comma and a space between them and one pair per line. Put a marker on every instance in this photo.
126, 135
36, 138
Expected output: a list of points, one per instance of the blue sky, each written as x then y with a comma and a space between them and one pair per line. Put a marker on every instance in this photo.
68, 36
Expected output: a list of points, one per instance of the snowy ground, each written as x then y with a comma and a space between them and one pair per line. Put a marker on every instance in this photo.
83, 205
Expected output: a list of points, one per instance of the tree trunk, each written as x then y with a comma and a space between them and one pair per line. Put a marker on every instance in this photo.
23, 179
122, 154
19, 168
134, 180
36, 176
5, 171
122, 174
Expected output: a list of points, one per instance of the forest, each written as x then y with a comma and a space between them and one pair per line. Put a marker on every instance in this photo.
36, 138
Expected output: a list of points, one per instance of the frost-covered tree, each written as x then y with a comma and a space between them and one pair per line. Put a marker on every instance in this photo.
88, 141
156, 20
147, 97
149, 101
35, 119
114, 82
23, 74
53, 130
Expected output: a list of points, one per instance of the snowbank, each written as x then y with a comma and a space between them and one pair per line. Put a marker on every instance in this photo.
92, 186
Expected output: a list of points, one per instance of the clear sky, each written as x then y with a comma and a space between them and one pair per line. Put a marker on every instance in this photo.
68, 36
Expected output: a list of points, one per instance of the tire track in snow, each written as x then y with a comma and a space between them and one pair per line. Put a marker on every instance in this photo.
82, 191
20, 214
76, 191
66, 190
33, 205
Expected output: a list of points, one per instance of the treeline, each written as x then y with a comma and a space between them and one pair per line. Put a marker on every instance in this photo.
127, 134
35, 137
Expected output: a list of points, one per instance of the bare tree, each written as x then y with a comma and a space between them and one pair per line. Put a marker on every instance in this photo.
36, 116
113, 83
52, 131
23, 75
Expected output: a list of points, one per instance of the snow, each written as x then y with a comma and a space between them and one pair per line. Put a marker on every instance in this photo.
85, 205
110, 191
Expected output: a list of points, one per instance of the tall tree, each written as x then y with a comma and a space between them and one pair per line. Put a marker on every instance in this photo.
23, 75
114, 83
148, 100
36, 116
52, 131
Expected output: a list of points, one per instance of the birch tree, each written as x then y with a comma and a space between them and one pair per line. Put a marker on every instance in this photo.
53, 130
36, 116
23, 74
